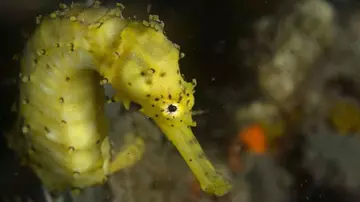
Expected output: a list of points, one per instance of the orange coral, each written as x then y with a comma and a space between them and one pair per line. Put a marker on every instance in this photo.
253, 137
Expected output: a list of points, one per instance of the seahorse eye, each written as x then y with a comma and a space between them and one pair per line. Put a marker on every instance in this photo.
172, 108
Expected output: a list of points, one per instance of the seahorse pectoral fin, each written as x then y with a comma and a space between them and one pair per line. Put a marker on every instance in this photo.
131, 153
184, 140
126, 104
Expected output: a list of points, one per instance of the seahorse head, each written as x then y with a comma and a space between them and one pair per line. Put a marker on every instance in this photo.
171, 107
147, 72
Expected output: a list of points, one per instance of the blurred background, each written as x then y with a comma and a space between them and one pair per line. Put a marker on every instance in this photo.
277, 100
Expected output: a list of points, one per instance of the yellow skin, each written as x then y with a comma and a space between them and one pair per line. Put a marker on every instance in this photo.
63, 130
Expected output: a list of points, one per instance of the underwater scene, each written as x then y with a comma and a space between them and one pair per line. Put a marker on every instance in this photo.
180, 101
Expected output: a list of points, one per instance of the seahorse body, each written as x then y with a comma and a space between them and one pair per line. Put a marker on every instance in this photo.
61, 110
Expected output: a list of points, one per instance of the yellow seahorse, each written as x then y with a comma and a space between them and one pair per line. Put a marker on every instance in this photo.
63, 133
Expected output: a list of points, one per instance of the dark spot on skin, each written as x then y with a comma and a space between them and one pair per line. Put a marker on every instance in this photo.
61, 100
163, 74
148, 82
206, 173
162, 110
156, 115
128, 153
190, 160
57, 45
172, 125
71, 47
47, 66
129, 84
167, 119
152, 70
172, 108
63, 122
98, 142
161, 96
153, 105
178, 72
187, 102
181, 120
157, 99
148, 95
193, 141
142, 73
117, 54
180, 98
67, 79
76, 173
179, 82
71, 149
35, 61
47, 129
170, 96
187, 94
